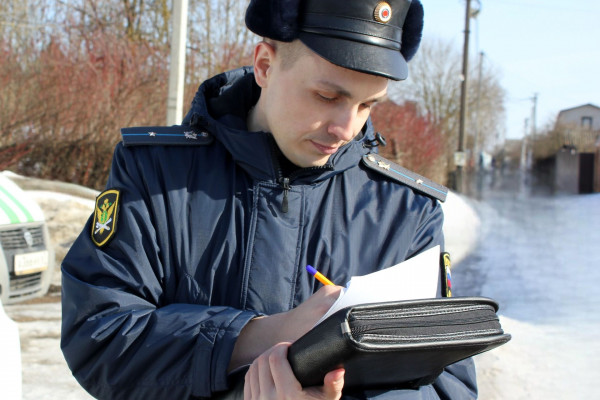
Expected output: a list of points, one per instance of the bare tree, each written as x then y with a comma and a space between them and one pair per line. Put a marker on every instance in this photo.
25, 24
485, 106
434, 84
75, 71
218, 37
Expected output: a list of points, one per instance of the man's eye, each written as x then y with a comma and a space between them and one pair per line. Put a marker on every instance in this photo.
325, 98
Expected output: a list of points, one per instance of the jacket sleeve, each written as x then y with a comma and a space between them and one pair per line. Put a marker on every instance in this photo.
125, 335
457, 381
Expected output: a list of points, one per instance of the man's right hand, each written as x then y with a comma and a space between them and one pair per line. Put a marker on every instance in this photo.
262, 333
302, 318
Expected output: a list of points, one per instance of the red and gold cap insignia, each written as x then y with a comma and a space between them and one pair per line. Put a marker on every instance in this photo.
383, 12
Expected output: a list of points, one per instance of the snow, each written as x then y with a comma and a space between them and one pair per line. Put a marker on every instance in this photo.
533, 253
10, 364
461, 226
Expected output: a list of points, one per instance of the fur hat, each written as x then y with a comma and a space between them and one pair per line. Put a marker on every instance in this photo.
372, 36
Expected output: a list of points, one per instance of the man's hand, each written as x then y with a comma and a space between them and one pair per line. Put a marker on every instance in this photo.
301, 319
270, 377
260, 334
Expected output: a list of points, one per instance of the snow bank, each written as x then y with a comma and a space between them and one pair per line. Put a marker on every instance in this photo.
461, 226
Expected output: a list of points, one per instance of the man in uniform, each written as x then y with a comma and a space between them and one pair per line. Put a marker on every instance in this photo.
192, 265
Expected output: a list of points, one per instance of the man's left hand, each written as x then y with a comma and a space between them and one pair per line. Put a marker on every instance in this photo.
270, 377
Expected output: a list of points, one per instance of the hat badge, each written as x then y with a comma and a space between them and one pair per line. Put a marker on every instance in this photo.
383, 12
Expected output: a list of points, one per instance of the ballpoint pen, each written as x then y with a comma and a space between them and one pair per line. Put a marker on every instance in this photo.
319, 276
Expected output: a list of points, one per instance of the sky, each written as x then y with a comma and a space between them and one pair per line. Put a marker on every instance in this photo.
546, 47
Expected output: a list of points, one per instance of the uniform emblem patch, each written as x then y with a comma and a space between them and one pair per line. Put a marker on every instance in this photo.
104, 224
383, 13
446, 275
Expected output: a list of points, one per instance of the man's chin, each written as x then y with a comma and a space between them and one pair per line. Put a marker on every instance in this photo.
312, 163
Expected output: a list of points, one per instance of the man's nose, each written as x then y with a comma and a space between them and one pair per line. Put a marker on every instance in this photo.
343, 124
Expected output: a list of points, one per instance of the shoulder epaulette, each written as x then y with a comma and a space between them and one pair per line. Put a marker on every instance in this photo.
165, 135
403, 175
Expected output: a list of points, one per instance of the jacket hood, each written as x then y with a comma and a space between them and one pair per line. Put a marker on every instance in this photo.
220, 107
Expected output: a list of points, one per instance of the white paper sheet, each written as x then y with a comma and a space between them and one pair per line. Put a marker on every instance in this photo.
416, 278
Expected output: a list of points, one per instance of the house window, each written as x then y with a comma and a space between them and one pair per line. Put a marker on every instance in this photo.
586, 122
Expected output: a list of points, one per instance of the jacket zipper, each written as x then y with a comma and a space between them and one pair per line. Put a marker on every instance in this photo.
285, 183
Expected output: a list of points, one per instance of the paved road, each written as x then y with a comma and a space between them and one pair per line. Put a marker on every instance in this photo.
538, 257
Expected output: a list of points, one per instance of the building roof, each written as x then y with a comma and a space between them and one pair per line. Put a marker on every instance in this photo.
581, 106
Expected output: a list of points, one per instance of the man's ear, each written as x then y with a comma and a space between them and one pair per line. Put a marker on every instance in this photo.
264, 55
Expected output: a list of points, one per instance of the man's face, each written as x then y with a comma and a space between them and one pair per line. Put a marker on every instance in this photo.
313, 107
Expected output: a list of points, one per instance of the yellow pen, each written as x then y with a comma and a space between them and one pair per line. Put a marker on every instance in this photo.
318, 276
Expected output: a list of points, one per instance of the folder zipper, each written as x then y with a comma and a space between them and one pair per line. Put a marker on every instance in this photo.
411, 313
358, 328
375, 339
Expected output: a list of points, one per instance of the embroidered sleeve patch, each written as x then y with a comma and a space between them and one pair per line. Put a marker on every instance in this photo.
104, 225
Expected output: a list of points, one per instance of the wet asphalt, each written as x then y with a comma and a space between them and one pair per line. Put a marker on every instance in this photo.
537, 256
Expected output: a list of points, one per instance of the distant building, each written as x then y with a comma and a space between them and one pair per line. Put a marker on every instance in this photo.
580, 126
512, 153
575, 168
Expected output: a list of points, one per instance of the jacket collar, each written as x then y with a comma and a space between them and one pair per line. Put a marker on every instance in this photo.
221, 105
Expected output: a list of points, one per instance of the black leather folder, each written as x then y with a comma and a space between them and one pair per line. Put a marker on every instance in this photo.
402, 344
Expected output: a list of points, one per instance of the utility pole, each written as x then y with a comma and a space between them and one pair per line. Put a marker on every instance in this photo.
477, 147
534, 99
460, 158
524, 147
177, 67
532, 136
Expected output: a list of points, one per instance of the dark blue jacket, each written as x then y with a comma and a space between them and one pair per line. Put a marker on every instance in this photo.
204, 243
